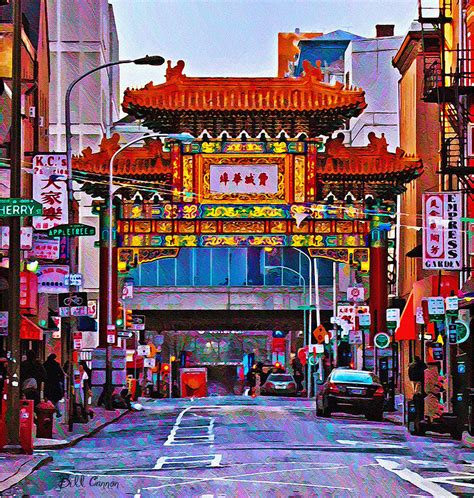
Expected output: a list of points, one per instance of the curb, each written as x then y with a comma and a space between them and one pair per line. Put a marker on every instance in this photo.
467, 440
23, 473
80, 437
392, 421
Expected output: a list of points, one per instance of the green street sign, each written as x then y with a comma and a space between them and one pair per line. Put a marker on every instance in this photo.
382, 340
72, 230
10, 208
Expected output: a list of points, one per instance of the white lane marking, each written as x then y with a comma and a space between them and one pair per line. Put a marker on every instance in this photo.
236, 478
415, 479
454, 480
183, 461
375, 444
188, 439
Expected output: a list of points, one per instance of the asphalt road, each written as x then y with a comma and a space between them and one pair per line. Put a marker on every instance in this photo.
242, 447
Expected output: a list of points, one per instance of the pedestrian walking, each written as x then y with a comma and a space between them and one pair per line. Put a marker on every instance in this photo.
416, 372
32, 376
54, 385
85, 391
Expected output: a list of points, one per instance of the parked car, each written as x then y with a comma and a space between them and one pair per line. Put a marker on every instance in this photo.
351, 391
279, 384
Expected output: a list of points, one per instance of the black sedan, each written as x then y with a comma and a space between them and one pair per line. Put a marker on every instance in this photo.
351, 391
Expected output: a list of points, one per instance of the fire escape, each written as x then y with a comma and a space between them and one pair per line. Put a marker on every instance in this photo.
448, 82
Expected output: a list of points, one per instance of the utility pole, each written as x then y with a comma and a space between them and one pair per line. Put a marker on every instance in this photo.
13, 405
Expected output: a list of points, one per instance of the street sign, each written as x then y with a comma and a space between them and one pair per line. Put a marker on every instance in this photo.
20, 207
71, 230
320, 334
420, 319
355, 294
452, 333
452, 305
143, 350
382, 340
149, 362
393, 318
138, 322
355, 337
435, 306
73, 304
364, 319
74, 279
127, 334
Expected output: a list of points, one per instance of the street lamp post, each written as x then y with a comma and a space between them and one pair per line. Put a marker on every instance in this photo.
154, 60
183, 137
304, 292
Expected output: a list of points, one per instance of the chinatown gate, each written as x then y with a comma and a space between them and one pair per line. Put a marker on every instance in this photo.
261, 173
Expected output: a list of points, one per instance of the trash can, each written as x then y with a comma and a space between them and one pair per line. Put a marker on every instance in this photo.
44, 416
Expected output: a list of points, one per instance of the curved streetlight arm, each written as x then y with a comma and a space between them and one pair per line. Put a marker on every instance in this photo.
111, 179
289, 269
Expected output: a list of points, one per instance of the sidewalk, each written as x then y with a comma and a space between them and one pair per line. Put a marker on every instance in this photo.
394, 417
62, 438
14, 467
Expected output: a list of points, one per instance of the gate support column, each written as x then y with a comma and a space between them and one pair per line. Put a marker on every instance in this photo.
378, 280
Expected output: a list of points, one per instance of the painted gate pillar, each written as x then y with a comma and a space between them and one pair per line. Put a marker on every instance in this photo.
378, 281
104, 262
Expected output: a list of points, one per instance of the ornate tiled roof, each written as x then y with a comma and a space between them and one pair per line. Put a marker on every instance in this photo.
190, 104
147, 162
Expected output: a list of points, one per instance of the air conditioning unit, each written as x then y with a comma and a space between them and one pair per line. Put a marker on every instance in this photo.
32, 112
41, 121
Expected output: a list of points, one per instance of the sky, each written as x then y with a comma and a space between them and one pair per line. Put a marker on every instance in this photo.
237, 37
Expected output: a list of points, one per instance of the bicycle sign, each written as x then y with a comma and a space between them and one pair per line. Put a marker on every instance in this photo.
73, 304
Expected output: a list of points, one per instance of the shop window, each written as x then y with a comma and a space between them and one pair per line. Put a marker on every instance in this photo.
184, 271
202, 266
166, 272
148, 274
238, 267
220, 267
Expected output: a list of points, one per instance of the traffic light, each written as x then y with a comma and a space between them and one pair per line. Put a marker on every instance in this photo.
165, 368
128, 319
119, 316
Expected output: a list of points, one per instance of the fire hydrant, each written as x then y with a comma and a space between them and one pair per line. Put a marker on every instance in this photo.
44, 419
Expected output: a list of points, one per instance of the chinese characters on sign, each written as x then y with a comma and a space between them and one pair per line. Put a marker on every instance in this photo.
52, 279
44, 248
244, 179
49, 188
442, 231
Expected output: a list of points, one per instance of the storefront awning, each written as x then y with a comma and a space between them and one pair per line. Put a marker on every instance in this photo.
407, 328
29, 330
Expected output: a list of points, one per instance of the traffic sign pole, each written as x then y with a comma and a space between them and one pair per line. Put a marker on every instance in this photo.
13, 400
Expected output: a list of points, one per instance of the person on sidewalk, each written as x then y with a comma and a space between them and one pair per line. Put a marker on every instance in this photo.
32, 376
416, 372
54, 385
85, 389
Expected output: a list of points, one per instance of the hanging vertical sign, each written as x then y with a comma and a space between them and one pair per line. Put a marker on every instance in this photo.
442, 247
50, 189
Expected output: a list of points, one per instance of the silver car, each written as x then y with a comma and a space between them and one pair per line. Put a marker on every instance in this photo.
279, 384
